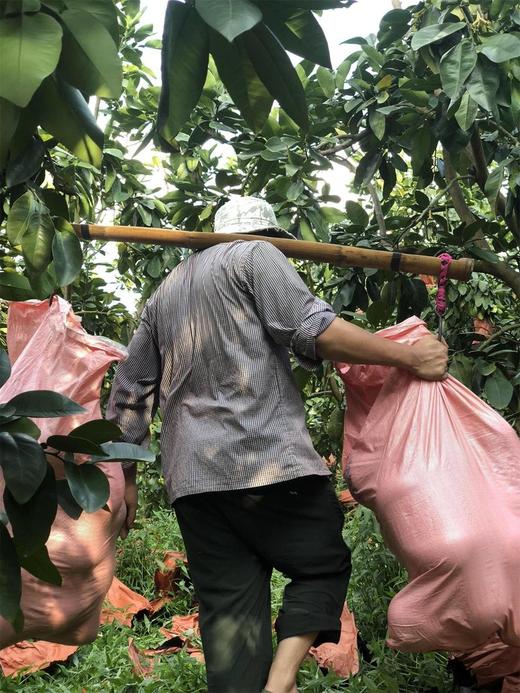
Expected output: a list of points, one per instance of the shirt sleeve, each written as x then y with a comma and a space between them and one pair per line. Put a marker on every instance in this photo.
289, 312
134, 397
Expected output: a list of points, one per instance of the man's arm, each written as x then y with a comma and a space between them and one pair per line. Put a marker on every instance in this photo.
344, 342
134, 400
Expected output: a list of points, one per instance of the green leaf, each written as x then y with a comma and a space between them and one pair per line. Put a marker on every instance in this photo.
240, 79
185, 54
23, 463
377, 123
274, 68
482, 84
356, 213
74, 444
89, 58
466, 112
367, 167
456, 66
461, 367
44, 404
88, 485
22, 425
10, 577
98, 431
229, 17
300, 34
40, 565
26, 164
434, 32
501, 47
15, 287
9, 117
5, 367
31, 46
482, 253
31, 522
67, 255
104, 11
29, 224
127, 451
66, 500
65, 114
498, 390
423, 144
326, 81
379, 313
494, 183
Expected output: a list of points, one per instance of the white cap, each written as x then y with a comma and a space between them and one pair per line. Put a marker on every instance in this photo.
247, 215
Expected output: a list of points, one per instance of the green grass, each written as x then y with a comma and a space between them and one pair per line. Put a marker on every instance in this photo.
104, 665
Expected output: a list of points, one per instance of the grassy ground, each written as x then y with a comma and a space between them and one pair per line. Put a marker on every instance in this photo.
104, 665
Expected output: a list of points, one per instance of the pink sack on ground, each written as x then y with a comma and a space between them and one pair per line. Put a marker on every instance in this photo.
50, 350
441, 471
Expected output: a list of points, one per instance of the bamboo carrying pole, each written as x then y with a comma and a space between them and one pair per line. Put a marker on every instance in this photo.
341, 255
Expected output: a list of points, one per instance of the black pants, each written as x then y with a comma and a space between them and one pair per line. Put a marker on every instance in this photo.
233, 540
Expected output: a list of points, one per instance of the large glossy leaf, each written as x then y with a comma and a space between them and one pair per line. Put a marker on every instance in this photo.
300, 33
66, 500
482, 84
10, 577
65, 114
229, 17
5, 367
40, 565
22, 425
456, 66
434, 32
23, 464
185, 54
9, 117
104, 11
277, 73
44, 404
15, 287
31, 522
29, 224
466, 112
367, 167
98, 431
127, 451
498, 390
24, 166
31, 46
88, 485
240, 79
501, 47
89, 59
67, 254
74, 444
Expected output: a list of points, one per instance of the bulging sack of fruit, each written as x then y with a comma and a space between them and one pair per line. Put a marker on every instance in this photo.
50, 350
441, 471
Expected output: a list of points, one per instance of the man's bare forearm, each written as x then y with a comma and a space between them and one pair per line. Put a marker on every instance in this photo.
344, 342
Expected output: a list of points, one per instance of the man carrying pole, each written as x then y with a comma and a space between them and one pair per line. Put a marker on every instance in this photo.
250, 492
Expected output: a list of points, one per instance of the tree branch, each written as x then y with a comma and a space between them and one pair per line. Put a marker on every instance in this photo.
479, 158
349, 140
501, 270
372, 190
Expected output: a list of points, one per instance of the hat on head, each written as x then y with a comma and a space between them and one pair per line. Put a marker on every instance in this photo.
248, 215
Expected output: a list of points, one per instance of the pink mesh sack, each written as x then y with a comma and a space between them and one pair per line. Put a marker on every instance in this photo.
441, 471
49, 350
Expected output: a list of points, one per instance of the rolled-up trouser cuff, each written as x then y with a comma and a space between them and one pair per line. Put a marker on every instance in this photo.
328, 627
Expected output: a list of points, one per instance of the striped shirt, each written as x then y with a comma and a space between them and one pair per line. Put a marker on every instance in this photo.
212, 351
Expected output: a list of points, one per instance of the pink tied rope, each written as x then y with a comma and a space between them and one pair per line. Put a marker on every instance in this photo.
441, 302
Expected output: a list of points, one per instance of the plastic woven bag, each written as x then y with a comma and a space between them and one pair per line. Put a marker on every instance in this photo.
49, 350
441, 471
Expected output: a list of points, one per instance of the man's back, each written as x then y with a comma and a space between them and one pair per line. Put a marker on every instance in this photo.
220, 326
